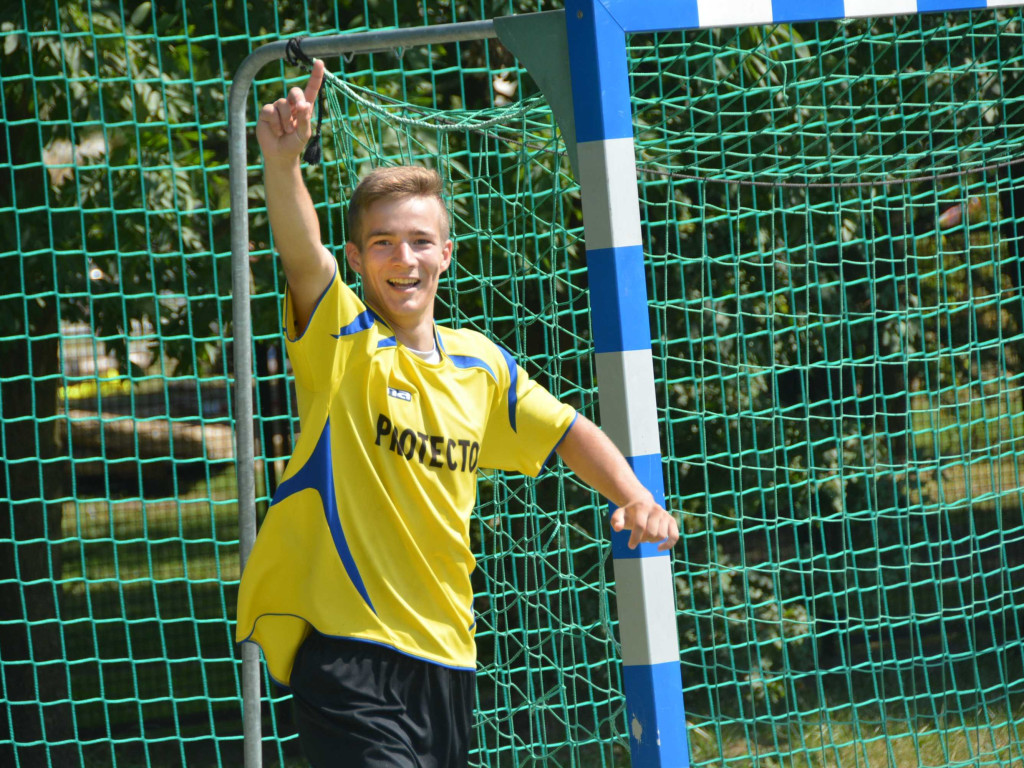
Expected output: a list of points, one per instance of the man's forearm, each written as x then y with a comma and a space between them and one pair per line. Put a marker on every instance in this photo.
307, 264
594, 458
283, 128
589, 453
292, 217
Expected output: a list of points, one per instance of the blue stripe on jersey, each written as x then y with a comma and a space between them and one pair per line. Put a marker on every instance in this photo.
288, 310
390, 341
317, 474
547, 461
468, 361
363, 322
513, 386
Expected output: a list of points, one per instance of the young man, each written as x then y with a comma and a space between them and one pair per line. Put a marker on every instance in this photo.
358, 588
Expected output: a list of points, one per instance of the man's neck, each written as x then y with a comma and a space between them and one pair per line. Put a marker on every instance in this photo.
418, 335
421, 340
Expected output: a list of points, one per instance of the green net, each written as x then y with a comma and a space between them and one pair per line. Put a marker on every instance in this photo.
832, 219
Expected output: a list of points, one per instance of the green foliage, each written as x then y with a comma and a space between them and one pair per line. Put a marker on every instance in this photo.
123, 235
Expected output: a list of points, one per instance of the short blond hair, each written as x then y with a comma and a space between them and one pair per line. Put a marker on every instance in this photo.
395, 183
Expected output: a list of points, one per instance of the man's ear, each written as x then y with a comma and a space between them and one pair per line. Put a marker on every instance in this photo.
354, 257
446, 255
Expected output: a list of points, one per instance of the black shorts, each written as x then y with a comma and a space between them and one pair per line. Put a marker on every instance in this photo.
367, 706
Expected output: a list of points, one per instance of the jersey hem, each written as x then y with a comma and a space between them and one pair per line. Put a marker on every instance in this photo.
249, 639
408, 654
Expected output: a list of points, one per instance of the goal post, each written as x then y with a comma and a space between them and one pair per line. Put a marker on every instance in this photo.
645, 594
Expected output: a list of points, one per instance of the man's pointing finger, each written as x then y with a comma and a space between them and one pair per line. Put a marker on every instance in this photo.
316, 78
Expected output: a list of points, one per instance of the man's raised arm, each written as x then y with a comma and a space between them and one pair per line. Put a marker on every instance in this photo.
282, 131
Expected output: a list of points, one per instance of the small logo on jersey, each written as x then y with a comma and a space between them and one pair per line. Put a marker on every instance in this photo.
400, 394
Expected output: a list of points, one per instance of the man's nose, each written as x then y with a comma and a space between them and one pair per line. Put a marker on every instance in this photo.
403, 252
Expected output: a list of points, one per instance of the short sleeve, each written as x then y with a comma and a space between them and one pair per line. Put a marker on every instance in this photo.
526, 423
314, 353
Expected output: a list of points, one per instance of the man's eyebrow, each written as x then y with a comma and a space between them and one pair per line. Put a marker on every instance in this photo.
392, 233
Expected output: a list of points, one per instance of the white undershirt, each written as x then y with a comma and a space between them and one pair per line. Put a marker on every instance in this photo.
431, 356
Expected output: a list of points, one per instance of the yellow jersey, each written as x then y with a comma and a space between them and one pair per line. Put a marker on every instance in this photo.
367, 536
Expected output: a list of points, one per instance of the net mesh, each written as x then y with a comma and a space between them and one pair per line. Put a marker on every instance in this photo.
833, 224
831, 220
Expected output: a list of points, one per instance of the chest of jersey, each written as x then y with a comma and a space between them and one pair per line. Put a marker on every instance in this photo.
432, 416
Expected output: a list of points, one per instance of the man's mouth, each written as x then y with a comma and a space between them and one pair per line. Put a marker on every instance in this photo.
403, 282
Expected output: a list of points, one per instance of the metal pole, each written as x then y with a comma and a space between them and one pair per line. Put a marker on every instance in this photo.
241, 313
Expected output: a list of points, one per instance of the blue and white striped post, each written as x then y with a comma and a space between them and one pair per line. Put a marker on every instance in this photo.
645, 592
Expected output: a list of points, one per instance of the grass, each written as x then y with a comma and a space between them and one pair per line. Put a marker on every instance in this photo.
147, 608
193, 536
839, 739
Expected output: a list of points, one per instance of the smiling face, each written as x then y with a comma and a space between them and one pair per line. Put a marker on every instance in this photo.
401, 257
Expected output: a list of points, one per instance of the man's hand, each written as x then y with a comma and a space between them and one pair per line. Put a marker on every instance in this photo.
647, 521
594, 458
285, 126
